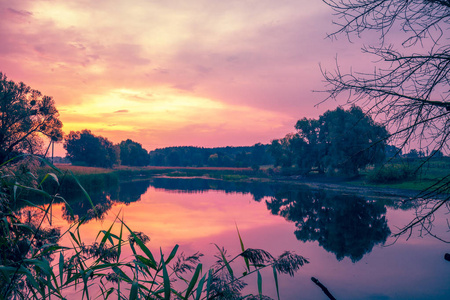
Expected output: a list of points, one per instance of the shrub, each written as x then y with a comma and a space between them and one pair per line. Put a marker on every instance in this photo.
391, 174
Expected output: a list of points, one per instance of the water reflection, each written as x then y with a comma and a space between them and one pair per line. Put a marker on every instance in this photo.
344, 224
79, 206
259, 190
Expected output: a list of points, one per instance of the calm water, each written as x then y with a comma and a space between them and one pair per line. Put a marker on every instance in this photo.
344, 234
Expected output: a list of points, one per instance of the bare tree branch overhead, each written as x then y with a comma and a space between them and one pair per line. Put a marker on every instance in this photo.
409, 87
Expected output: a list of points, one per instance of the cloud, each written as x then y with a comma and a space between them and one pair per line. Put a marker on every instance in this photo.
210, 68
22, 13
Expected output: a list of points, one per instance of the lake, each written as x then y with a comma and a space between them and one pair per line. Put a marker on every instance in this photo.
344, 233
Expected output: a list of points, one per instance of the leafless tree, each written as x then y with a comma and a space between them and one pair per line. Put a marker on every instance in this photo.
409, 88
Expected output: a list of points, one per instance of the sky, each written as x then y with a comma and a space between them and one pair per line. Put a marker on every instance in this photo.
175, 73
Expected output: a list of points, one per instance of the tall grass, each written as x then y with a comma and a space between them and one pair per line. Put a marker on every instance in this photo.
33, 264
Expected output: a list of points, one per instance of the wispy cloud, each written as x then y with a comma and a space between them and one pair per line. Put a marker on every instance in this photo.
226, 71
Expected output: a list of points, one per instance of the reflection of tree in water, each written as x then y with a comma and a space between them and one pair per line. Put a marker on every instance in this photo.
103, 200
344, 224
259, 190
81, 207
130, 192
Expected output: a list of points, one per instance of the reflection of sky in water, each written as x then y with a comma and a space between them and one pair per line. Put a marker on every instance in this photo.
413, 269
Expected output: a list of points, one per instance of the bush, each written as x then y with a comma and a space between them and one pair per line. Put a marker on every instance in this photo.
391, 174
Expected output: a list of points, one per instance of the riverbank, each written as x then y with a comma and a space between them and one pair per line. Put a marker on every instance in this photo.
94, 178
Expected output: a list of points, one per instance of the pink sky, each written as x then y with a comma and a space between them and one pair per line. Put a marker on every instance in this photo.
172, 73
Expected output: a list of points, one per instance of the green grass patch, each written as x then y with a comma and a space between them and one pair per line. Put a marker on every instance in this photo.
92, 179
408, 174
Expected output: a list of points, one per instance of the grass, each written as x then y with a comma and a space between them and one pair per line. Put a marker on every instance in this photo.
91, 178
423, 174
211, 172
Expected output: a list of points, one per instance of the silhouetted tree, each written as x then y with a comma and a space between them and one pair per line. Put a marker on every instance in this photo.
85, 148
132, 154
414, 153
345, 140
352, 139
392, 151
410, 87
282, 151
26, 115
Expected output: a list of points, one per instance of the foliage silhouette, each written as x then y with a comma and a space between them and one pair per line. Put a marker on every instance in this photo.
409, 87
344, 140
132, 154
26, 115
85, 148
213, 157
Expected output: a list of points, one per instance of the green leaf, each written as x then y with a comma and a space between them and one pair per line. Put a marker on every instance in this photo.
74, 238
121, 274
259, 285
38, 191
172, 254
247, 263
43, 265
15, 192
193, 281
84, 192
275, 276
208, 284
142, 246
200, 287
68, 207
230, 270
133, 290
33, 205
166, 279
48, 163
61, 267
146, 261
49, 175
119, 245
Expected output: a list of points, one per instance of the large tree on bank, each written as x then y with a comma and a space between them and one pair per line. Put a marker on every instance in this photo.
85, 148
340, 140
132, 154
25, 116
409, 87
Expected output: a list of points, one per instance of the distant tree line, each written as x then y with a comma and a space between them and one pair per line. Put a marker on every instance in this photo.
343, 141
251, 156
85, 148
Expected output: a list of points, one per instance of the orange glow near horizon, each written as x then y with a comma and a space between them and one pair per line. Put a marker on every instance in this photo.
181, 217
171, 73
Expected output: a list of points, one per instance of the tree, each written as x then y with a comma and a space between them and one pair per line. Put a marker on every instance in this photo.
26, 115
350, 140
343, 140
85, 148
132, 154
410, 87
